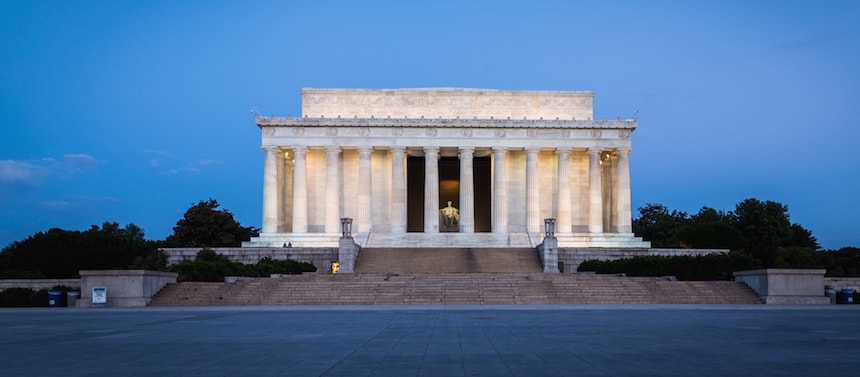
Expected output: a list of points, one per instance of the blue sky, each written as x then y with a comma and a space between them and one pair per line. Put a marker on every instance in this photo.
133, 111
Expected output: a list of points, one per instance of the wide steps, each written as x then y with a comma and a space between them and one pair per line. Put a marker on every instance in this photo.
371, 289
447, 260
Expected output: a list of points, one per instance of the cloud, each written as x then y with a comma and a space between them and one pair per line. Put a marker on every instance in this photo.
169, 164
22, 172
75, 164
78, 203
35, 172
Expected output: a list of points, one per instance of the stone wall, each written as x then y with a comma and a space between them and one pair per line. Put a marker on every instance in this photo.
573, 257
785, 285
321, 258
842, 283
125, 288
37, 284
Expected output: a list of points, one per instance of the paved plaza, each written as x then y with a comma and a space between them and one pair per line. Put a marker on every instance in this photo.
594, 340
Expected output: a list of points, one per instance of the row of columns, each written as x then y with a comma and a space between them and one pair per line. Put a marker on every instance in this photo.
274, 168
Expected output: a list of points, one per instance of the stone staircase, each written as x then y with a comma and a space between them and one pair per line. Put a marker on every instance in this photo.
454, 288
447, 260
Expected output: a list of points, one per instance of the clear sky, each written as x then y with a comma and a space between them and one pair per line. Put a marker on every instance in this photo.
132, 111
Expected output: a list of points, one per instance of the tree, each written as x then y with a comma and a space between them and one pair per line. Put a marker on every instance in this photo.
59, 253
204, 225
710, 229
658, 225
765, 226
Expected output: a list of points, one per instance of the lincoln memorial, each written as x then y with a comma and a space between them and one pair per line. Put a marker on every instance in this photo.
446, 167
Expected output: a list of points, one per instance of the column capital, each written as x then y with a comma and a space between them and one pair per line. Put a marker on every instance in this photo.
532, 149
396, 148
269, 148
623, 150
299, 148
563, 149
332, 149
364, 149
594, 150
467, 149
431, 151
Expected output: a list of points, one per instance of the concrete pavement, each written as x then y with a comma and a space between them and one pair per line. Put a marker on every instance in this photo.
539, 340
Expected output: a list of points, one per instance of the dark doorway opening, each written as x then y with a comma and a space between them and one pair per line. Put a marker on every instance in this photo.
414, 194
483, 194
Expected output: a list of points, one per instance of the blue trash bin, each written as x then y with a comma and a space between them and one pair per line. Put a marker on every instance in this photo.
55, 299
847, 296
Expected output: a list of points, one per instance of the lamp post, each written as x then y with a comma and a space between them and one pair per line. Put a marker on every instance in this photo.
346, 227
549, 225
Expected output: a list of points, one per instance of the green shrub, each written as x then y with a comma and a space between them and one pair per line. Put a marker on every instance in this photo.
23, 297
702, 267
212, 267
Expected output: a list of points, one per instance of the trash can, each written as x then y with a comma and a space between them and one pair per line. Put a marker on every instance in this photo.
71, 298
831, 294
55, 299
847, 296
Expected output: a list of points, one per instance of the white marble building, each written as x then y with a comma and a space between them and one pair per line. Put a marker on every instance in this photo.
392, 159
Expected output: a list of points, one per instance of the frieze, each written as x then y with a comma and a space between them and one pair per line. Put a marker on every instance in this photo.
263, 121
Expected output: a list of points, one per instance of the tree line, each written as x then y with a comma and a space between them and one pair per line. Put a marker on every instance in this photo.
59, 253
759, 234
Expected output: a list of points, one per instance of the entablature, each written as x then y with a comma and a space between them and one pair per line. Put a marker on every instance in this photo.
273, 121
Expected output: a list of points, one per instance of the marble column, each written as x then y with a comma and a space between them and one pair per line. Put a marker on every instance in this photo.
467, 191
282, 191
398, 190
332, 192
533, 221
563, 214
364, 190
270, 190
595, 192
431, 189
622, 192
300, 190
500, 191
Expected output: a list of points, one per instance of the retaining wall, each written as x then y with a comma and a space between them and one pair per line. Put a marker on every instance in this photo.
37, 284
571, 258
321, 258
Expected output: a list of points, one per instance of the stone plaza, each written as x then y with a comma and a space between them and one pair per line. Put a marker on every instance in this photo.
589, 340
